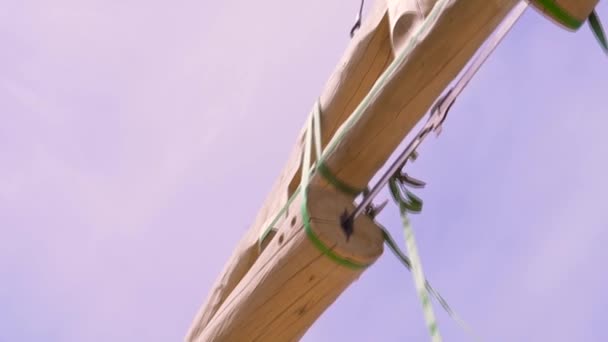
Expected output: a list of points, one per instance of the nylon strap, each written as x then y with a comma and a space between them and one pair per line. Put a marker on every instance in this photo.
380, 83
321, 167
305, 176
563, 17
374, 92
412, 203
315, 116
275, 220
316, 124
335, 182
559, 14
390, 242
423, 287
598, 31
419, 279
376, 89
302, 190
415, 264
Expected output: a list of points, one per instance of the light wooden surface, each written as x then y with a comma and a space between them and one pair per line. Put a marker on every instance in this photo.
365, 58
435, 60
292, 282
437, 55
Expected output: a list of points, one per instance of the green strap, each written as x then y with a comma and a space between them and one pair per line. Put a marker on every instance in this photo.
274, 221
416, 265
566, 19
411, 203
598, 31
315, 116
390, 71
559, 14
335, 182
419, 279
312, 127
321, 167
316, 123
357, 113
305, 215
423, 287
434, 293
328, 252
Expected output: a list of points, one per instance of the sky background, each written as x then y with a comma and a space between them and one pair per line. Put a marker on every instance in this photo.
138, 139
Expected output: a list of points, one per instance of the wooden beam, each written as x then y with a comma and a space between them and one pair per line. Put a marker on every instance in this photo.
433, 60
258, 283
365, 58
293, 281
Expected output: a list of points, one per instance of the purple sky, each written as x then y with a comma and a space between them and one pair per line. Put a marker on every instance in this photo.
139, 139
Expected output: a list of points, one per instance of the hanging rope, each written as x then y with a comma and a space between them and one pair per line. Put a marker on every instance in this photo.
408, 202
411, 203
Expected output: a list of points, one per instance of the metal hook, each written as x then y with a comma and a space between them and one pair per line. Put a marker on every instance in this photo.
374, 210
406, 199
357, 24
411, 181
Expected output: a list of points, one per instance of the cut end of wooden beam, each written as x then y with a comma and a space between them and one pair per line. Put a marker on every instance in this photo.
363, 247
299, 274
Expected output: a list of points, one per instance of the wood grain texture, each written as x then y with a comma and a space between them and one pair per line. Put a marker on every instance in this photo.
365, 58
252, 274
293, 282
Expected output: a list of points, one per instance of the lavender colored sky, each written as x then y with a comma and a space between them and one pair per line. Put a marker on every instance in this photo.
139, 138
